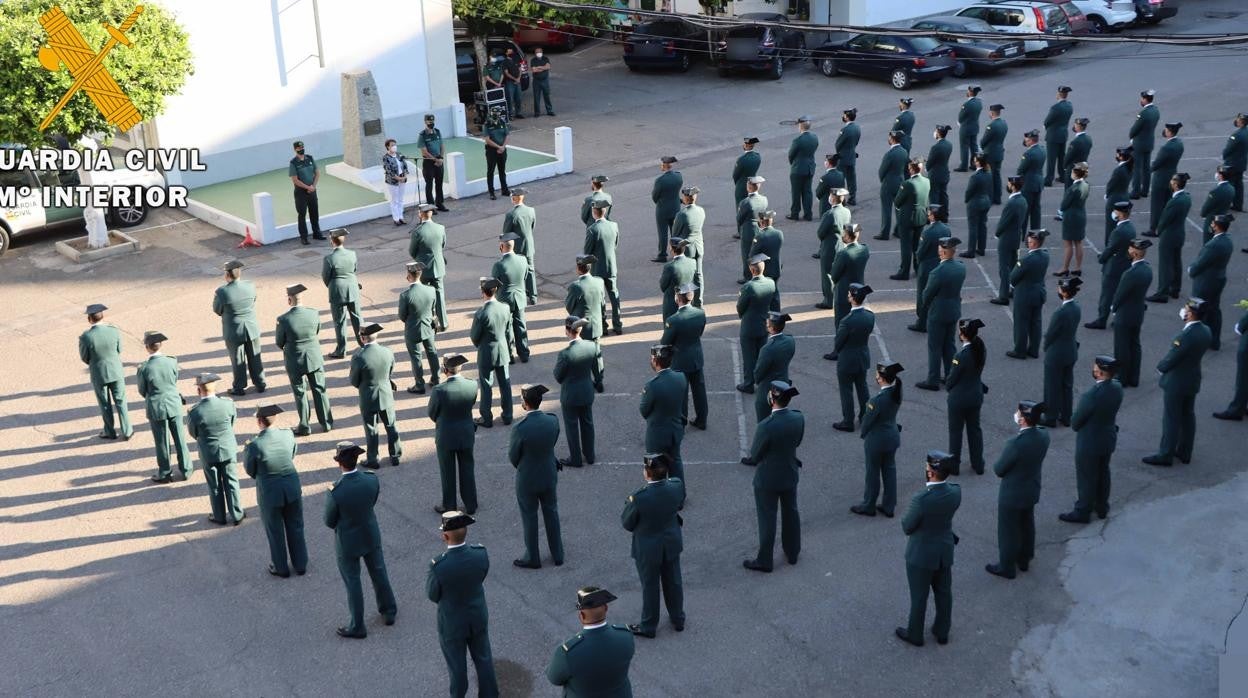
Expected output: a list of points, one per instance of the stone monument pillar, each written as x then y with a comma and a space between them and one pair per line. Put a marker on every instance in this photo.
362, 130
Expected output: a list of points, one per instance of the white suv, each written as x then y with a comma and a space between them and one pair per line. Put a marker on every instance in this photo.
1026, 18
1108, 15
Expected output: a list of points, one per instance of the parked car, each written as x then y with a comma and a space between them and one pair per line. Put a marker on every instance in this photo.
758, 48
550, 35
1108, 15
973, 55
664, 43
1026, 18
1153, 11
900, 60
468, 72
1079, 23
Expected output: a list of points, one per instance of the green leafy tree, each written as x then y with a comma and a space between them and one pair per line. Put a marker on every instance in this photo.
154, 66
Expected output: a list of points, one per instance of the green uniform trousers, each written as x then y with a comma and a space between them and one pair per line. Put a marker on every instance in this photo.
613, 299
439, 302
341, 312
1178, 424
162, 431
888, 192
578, 424
967, 420
801, 198
477, 645
300, 386
386, 418
1027, 328
766, 503
851, 182
922, 271
940, 348
223, 493
881, 468
1169, 269
485, 383
849, 382
349, 568
906, 236
977, 229
453, 462
994, 169
283, 526
940, 582
529, 502
429, 350
1059, 392
696, 381
106, 396
1016, 536
1092, 483
698, 279
1128, 352
750, 346
662, 572
245, 360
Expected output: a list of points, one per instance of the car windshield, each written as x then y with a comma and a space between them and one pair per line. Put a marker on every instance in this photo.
656, 29
973, 25
747, 33
923, 44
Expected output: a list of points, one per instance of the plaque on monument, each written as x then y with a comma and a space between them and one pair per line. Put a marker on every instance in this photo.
362, 128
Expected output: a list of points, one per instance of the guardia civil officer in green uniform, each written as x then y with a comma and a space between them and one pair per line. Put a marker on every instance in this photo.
1217, 201
456, 583
270, 460
1117, 187
158, 384
532, 454
1031, 169
926, 258
298, 336
595, 661
768, 241
832, 224
1239, 399
539, 67
1180, 382
853, 333
831, 180
662, 406
338, 274
1171, 232
651, 515
773, 361
746, 166
1095, 422
1019, 469
496, 133
597, 192
235, 303
678, 272
1142, 135
666, 197
943, 298
510, 270
602, 237
992, 145
349, 511
1009, 234
849, 267
1028, 279
450, 409
753, 303
881, 437
427, 246
682, 330
1114, 261
372, 375
491, 335
938, 166
1061, 351
911, 203
1235, 159
774, 455
578, 370
304, 175
891, 173
1055, 124
417, 306
522, 220
432, 161
847, 152
748, 211
928, 525
1208, 274
211, 423
801, 170
978, 200
1073, 213
100, 349
966, 395
688, 227
1128, 307
1078, 148
968, 126
904, 121
587, 298
1165, 165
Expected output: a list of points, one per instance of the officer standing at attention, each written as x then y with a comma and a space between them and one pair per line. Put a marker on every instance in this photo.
450, 409
1056, 122
1217, 202
968, 127
349, 511
158, 384
491, 335
688, 227
372, 374
942, 296
495, 132
853, 331
597, 192
802, 170
892, 171
992, 145
938, 166
338, 274
1009, 234
1171, 232
416, 309
1061, 351
1165, 164
773, 361
904, 121
298, 336
1031, 169
211, 423
1117, 186
768, 241
1208, 274
847, 153
587, 298
966, 396
666, 197
269, 459
676, 273
305, 175
1073, 213
746, 166
850, 267
509, 271
494, 73
1180, 382
881, 437
663, 402
593, 662
539, 68
100, 349
682, 330
521, 220
1128, 307
1078, 148
602, 238
578, 370
427, 246
432, 161
831, 180
532, 453
1028, 278
928, 525
1019, 469
753, 303
1239, 399
832, 225
456, 583
1142, 135
926, 258
1235, 159
1114, 262
651, 515
235, 303
911, 202
1095, 422
748, 211
978, 200
774, 454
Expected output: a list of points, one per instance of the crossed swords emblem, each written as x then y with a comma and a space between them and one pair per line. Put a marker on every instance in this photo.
66, 46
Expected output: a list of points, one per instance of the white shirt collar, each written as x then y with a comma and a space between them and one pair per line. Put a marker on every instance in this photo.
1034, 249
351, 471
1068, 300
456, 545
1189, 324
1014, 194
154, 354
1078, 179
1121, 221
895, 145
595, 626
932, 484
778, 409
1141, 259
1178, 192
852, 308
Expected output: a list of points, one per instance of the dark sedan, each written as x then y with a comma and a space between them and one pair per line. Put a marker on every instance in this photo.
758, 48
664, 43
974, 55
902, 61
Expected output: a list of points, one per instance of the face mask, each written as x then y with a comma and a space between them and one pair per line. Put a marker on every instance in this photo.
1114, 215
539, 54
1183, 314
1018, 419
298, 151
393, 148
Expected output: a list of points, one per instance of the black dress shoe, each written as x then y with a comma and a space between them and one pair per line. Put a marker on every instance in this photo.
678, 627
996, 570
1074, 517
824, 306
899, 277
1157, 298
1015, 355
1076, 272
273, 571
318, 236
237, 393
814, 255
440, 509
442, 208
343, 632
416, 390
967, 255
1229, 416
808, 218
904, 636
617, 331
881, 236
1094, 325
925, 385
886, 514
636, 630
698, 424
1024, 566
492, 197
1158, 459
916, 327
304, 241
567, 463
106, 436
862, 510
239, 520
1048, 423
940, 640
999, 301
218, 522
1185, 461
304, 431
483, 423
830, 356
162, 479
371, 465
978, 470
659, 259
388, 620
1062, 273
790, 216
843, 426
748, 461
754, 565
506, 421
394, 460
527, 565
745, 388
961, 169
335, 355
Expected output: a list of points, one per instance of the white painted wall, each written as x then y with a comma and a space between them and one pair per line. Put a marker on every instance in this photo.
872, 12
242, 117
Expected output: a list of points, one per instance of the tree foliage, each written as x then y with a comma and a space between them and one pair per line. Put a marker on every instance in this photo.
155, 66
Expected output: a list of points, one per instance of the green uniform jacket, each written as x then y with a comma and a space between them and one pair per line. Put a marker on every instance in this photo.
1217, 203
1180, 368
992, 143
158, 384
968, 115
1143, 129
594, 663
831, 179
1031, 168
1012, 221
768, 241
893, 167
587, 298
450, 408
601, 240
1235, 152
1118, 184
1166, 161
965, 382
746, 166
100, 349
752, 305
938, 161
1113, 258
802, 154
211, 423
1057, 121
879, 423
1172, 225
1027, 278
666, 193
831, 225
774, 448
338, 273
926, 255
491, 335
587, 206
688, 226
1095, 419
847, 145
773, 360
661, 401
1019, 468
928, 522
1208, 271
850, 266
428, 246
943, 293
650, 514
521, 220
577, 372
1061, 348
270, 460
912, 199
979, 189
1078, 149
510, 270
532, 451
456, 583
371, 366
1074, 209
416, 312
349, 511
904, 122
683, 330
296, 336
747, 214
676, 273
1129, 304
235, 303
852, 335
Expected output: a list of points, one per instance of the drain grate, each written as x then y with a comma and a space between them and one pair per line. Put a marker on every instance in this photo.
1222, 15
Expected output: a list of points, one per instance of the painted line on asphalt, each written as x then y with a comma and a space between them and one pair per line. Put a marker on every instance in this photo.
638, 394
993, 286
876, 290
736, 372
879, 339
1191, 222
162, 225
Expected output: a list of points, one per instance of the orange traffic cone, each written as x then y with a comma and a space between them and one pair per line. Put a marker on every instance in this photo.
248, 240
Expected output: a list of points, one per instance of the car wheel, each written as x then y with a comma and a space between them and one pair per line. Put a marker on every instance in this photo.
900, 79
777, 68
961, 69
1099, 26
5, 240
827, 66
684, 62
569, 41
128, 216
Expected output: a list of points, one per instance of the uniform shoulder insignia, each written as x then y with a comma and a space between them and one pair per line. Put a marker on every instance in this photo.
630, 497
369, 473
331, 486
1176, 342
870, 406
573, 641
666, 323
955, 362
617, 626
477, 545
1019, 263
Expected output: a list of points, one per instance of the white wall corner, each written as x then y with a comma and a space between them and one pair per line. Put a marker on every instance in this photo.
459, 120
456, 176
563, 149
262, 207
